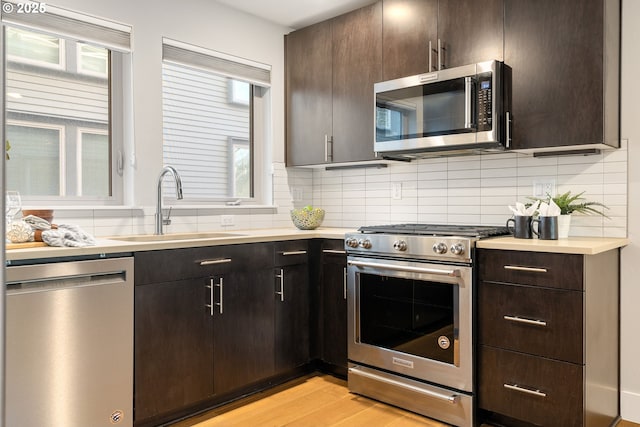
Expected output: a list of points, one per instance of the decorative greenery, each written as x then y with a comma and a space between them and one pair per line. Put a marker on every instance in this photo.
569, 203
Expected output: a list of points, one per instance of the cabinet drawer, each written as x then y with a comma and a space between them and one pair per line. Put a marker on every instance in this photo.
529, 388
532, 268
291, 252
181, 264
544, 322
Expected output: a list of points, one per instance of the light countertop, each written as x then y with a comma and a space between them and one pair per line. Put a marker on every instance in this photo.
572, 245
111, 245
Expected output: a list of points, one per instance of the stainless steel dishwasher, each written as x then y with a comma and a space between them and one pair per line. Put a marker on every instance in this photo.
70, 344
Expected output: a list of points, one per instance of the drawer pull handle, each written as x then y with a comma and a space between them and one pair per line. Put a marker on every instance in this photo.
516, 387
293, 253
215, 261
529, 269
334, 251
525, 320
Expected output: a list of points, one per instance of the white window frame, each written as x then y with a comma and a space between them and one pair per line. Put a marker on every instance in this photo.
61, 65
61, 147
81, 131
115, 36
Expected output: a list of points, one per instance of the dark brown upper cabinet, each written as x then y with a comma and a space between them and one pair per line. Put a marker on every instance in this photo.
309, 94
418, 34
330, 71
565, 62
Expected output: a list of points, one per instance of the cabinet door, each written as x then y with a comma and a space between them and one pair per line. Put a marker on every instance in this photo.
308, 98
407, 28
357, 65
555, 50
291, 316
471, 31
243, 321
173, 347
334, 306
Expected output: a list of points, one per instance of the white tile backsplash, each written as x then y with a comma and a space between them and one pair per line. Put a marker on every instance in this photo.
477, 189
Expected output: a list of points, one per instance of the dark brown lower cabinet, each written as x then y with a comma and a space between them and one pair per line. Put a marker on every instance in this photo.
291, 296
215, 323
204, 336
333, 336
548, 334
243, 324
173, 347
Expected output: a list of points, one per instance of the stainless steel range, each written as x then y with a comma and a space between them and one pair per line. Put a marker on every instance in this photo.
410, 296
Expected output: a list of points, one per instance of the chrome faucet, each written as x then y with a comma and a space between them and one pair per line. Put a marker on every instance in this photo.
160, 220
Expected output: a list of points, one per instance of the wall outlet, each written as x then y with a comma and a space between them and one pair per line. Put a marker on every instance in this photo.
297, 193
227, 220
544, 187
396, 190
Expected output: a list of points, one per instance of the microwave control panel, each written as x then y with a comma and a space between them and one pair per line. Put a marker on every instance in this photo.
485, 101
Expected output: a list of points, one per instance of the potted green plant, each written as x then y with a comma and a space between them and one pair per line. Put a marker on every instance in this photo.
570, 203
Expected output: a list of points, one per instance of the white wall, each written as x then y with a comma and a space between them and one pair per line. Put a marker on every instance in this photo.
630, 376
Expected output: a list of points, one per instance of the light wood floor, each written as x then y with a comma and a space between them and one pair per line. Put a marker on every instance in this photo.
313, 401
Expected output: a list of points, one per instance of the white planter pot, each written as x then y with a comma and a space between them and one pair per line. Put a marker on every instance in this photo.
564, 224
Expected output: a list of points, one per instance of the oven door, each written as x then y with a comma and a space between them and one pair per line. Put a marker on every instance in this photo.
412, 318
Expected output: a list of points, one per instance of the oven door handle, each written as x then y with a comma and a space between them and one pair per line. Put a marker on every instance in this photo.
381, 266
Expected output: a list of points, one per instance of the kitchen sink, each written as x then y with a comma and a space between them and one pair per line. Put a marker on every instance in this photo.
175, 236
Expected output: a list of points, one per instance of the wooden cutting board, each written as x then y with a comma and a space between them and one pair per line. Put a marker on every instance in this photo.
25, 245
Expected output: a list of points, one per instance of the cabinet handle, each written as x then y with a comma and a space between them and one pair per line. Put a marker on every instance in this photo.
344, 283
440, 55
525, 320
528, 269
521, 389
293, 253
328, 152
334, 251
281, 277
211, 304
215, 261
507, 131
431, 52
221, 286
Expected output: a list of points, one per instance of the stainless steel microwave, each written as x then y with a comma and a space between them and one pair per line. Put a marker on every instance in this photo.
453, 111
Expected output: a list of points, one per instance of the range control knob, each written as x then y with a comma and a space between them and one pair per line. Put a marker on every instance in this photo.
439, 248
457, 248
400, 245
351, 242
365, 243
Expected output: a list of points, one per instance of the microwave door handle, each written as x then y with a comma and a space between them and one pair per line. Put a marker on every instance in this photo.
468, 124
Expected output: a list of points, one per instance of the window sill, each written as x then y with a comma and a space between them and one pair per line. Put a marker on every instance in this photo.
178, 209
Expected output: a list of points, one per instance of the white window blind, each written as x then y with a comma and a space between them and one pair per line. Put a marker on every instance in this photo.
73, 25
221, 63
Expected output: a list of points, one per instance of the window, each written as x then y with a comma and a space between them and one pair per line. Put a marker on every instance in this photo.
64, 102
34, 48
93, 60
36, 159
213, 124
93, 150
